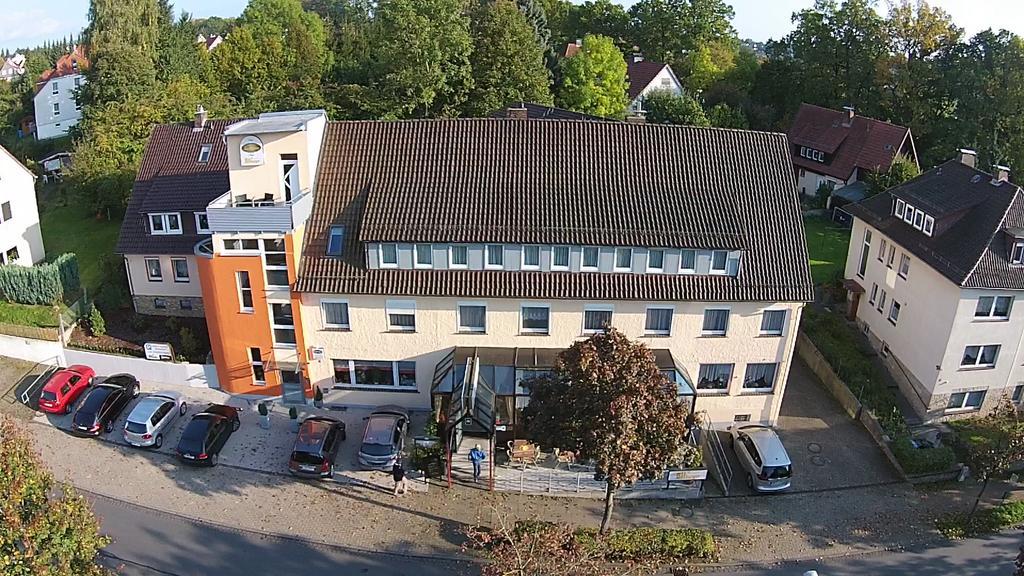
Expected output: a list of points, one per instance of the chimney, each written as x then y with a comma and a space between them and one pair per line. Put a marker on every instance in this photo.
200, 121
579, 41
967, 157
1000, 174
850, 113
517, 112
637, 55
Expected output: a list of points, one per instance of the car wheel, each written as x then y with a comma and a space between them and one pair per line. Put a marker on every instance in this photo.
213, 460
135, 391
235, 425
108, 427
750, 481
67, 409
330, 472
183, 409
342, 435
158, 441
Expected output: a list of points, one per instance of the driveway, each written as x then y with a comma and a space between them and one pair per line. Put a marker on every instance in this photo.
829, 450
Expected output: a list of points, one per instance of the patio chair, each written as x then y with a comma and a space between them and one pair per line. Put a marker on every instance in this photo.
566, 456
522, 452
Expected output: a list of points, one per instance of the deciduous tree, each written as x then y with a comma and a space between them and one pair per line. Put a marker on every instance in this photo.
123, 36
607, 400
664, 107
901, 170
594, 81
994, 443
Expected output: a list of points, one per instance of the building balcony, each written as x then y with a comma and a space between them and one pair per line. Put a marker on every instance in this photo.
231, 213
204, 248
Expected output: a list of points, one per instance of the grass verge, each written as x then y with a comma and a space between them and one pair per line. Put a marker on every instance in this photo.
74, 228
827, 245
986, 521
28, 315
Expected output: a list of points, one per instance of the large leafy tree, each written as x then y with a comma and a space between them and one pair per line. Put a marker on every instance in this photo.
124, 37
594, 17
507, 62
664, 107
669, 30
992, 444
607, 400
901, 170
45, 528
594, 81
420, 59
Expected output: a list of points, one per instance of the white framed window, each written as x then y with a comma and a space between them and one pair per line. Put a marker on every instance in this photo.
560, 258
881, 249
908, 214
881, 300
165, 223
56, 108
1017, 255
904, 266
929, 225
424, 256
241, 245
202, 223
259, 374
180, 267
918, 219
275, 262
374, 374
531, 257
994, 307
5, 212
659, 320
716, 322
494, 256
864, 254
894, 312
283, 323
335, 314
335, 240
980, 356
966, 400
1018, 394
289, 167
655, 260
623, 259
591, 258
458, 256
244, 291
389, 255
773, 322
892, 256
55, 87
688, 261
401, 315
900, 207
760, 377
874, 293
154, 272
719, 261
714, 378
536, 318
472, 317
596, 318
204, 153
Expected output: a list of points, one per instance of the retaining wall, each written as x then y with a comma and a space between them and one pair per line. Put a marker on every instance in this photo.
150, 371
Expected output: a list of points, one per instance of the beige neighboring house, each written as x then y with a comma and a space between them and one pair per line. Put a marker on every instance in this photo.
934, 269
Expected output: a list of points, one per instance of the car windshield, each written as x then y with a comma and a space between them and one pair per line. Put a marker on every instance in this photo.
379, 430
306, 458
194, 436
376, 449
777, 472
135, 427
47, 395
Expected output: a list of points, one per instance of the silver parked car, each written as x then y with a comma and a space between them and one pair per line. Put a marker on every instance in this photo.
763, 457
149, 421
383, 438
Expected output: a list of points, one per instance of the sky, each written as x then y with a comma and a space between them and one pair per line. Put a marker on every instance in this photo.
28, 23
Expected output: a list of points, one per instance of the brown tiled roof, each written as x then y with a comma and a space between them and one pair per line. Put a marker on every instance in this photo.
569, 182
542, 112
170, 179
640, 74
867, 143
572, 49
66, 66
969, 245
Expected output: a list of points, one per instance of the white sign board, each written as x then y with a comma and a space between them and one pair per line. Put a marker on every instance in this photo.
250, 151
683, 475
158, 351
52, 165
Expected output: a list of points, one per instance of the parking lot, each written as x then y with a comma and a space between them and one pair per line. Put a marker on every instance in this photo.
828, 449
252, 447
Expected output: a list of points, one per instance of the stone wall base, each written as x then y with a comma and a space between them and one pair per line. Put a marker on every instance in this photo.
169, 306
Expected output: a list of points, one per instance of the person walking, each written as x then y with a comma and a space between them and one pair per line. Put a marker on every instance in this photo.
476, 456
401, 484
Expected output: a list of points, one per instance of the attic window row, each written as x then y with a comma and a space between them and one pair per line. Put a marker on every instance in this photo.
914, 217
812, 154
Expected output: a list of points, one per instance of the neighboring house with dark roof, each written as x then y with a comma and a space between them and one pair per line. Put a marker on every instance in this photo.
184, 167
934, 268
837, 147
57, 107
645, 77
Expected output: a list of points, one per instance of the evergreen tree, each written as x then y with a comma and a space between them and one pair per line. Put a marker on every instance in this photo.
507, 63
594, 81
124, 38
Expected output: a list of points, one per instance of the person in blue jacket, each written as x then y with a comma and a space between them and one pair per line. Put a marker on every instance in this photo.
476, 456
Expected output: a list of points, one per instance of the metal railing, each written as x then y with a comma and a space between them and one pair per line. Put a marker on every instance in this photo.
718, 465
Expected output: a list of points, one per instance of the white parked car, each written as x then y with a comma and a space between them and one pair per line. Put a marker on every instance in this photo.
763, 457
152, 416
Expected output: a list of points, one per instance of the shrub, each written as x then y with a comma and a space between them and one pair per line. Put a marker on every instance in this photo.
989, 520
45, 283
640, 544
112, 296
67, 271
138, 322
96, 323
189, 345
922, 460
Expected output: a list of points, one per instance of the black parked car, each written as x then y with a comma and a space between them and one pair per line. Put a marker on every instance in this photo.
206, 434
103, 404
316, 447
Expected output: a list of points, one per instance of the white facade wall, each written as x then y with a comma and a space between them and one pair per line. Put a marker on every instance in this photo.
20, 233
807, 181
141, 285
665, 80
437, 333
936, 323
49, 124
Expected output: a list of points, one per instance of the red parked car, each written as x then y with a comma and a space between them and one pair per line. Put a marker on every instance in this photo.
64, 387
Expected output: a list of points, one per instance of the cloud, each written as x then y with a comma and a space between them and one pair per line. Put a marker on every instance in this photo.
30, 27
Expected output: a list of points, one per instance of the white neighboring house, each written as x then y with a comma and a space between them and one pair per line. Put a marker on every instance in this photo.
12, 68
645, 77
21, 241
56, 100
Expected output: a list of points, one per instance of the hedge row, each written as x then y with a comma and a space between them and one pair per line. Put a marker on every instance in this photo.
41, 284
637, 544
985, 521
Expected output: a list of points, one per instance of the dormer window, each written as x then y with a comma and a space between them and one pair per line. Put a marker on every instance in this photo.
901, 206
204, 154
1017, 254
335, 241
167, 223
908, 214
929, 225
812, 154
918, 219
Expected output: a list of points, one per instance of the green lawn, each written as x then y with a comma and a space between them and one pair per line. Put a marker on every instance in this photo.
27, 315
74, 228
827, 245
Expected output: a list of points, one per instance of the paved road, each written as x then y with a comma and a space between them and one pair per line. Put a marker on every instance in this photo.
152, 543
990, 556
